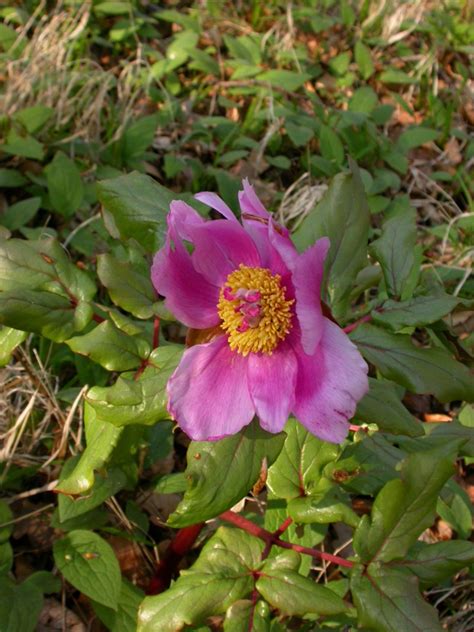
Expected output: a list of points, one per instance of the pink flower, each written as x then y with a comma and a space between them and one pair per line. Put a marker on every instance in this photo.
274, 352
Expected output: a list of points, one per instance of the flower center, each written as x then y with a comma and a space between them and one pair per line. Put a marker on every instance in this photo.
254, 310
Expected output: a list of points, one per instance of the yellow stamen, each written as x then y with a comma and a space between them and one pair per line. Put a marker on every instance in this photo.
274, 321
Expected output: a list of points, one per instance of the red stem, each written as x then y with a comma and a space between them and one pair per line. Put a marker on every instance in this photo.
178, 548
364, 319
156, 333
97, 318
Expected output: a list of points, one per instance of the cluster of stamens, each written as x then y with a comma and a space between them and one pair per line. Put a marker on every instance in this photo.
254, 310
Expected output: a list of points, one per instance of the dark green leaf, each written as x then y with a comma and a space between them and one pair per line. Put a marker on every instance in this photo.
416, 312
416, 136
44, 581
286, 79
33, 118
243, 616
388, 600
299, 466
24, 146
330, 145
125, 619
435, 563
417, 369
382, 406
404, 507
11, 178
111, 347
20, 606
20, 213
395, 252
343, 216
236, 460
135, 206
284, 588
363, 59
9, 340
88, 563
65, 187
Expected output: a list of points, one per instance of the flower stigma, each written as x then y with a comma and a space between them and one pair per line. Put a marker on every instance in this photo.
254, 310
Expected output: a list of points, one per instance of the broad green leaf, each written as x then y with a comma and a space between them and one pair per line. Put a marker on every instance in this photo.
382, 406
11, 178
364, 100
45, 313
435, 563
221, 576
299, 466
388, 600
19, 214
20, 606
9, 340
101, 439
135, 206
416, 312
6, 517
396, 76
125, 619
366, 464
243, 615
65, 187
324, 509
298, 134
6, 558
416, 136
128, 287
137, 399
120, 7
104, 487
363, 59
88, 563
24, 146
287, 79
455, 507
404, 507
343, 216
417, 369
395, 252
111, 347
33, 118
330, 145
138, 137
294, 595
236, 461
42, 265
44, 581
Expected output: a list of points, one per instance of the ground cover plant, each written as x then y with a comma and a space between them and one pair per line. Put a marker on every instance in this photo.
352, 121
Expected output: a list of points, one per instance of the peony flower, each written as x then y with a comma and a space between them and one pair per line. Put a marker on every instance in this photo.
272, 352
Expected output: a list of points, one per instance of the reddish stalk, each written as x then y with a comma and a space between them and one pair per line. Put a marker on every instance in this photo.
156, 333
364, 319
97, 318
168, 565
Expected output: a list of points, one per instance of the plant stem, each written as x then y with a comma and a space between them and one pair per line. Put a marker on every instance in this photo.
364, 319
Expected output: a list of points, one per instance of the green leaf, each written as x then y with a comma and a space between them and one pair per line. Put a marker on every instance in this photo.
404, 507
363, 59
364, 100
88, 563
103, 488
396, 77
236, 460
24, 146
44, 581
125, 619
455, 507
416, 312
141, 400
435, 563
298, 134
20, 606
299, 466
291, 593
135, 206
395, 252
340, 64
243, 615
221, 576
11, 178
417, 369
388, 600
138, 137
6, 516
286, 79
19, 214
323, 509
114, 8
414, 137
34, 118
9, 340
101, 439
45, 313
65, 187
111, 347
330, 145
382, 406
343, 216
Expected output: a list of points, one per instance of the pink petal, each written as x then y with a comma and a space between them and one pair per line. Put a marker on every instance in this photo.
189, 295
208, 392
307, 274
220, 247
249, 202
272, 380
329, 384
216, 203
